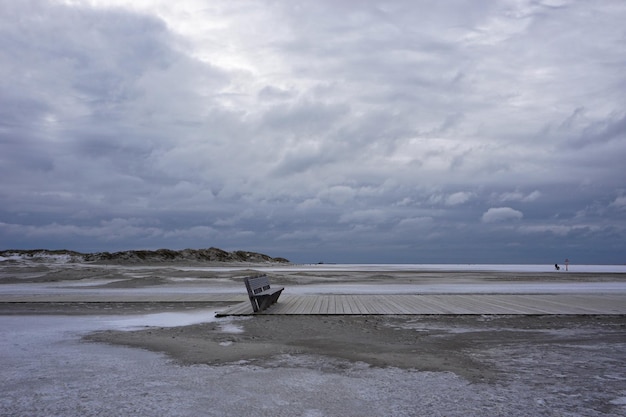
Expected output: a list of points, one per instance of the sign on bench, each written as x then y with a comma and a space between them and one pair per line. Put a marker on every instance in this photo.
261, 294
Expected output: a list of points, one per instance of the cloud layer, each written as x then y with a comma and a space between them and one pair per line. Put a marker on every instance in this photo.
465, 131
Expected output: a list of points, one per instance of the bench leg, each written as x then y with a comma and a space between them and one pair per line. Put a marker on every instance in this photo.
265, 302
255, 304
275, 296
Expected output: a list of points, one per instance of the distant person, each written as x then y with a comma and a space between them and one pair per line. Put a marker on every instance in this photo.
556, 266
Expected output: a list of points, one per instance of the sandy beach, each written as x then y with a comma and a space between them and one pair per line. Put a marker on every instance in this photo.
175, 358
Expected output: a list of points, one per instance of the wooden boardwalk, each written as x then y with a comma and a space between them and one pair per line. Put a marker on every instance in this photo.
526, 304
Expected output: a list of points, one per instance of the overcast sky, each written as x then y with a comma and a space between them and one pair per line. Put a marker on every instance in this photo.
337, 131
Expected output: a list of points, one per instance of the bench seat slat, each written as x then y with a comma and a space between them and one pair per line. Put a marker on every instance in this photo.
269, 292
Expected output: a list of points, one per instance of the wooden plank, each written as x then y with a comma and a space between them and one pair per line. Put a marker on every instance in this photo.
384, 305
407, 304
334, 304
331, 304
317, 305
364, 303
536, 304
464, 304
470, 305
417, 304
587, 304
375, 305
307, 306
437, 305
428, 305
607, 303
324, 306
352, 305
391, 304
344, 303
372, 305
514, 304
359, 305
394, 301
338, 305
295, 306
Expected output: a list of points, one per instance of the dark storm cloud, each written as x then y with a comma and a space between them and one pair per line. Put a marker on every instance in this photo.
340, 131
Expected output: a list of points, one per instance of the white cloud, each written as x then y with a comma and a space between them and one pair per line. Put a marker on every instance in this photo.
372, 216
561, 229
338, 194
452, 199
500, 214
113, 230
619, 203
458, 198
413, 223
196, 232
309, 204
532, 196
519, 196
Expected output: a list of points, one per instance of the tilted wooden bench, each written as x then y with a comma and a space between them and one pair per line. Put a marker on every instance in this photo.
260, 292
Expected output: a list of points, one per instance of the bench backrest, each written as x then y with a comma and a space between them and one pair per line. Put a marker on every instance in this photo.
255, 285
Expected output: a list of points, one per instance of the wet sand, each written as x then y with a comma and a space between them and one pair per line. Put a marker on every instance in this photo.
469, 346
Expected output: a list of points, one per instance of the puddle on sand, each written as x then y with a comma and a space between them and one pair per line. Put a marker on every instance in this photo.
166, 319
172, 319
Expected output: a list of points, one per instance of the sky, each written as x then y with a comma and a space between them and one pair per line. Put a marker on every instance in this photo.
464, 131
